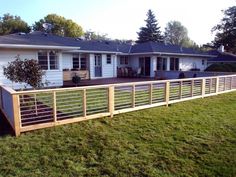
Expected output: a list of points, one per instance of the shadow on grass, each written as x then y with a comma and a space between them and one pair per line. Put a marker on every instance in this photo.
5, 128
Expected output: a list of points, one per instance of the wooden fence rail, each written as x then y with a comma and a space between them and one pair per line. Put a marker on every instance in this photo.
36, 109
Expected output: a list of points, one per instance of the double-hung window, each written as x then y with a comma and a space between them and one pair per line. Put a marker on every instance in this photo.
79, 62
48, 60
161, 64
124, 60
174, 64
108, 59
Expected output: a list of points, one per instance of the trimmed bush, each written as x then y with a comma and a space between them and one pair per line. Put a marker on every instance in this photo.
222, 67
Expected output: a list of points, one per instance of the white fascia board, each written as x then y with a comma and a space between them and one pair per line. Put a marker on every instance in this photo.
23, 46
173, 54
89, 51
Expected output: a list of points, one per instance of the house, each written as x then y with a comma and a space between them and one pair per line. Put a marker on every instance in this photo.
95, 59
222, 56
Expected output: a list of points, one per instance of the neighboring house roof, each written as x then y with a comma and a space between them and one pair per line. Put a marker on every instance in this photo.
44, 40
162, 48
222, 57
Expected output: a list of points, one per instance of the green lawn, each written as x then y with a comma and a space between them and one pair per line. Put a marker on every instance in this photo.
193, 138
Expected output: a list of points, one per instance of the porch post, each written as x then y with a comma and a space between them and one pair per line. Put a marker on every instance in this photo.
153, 66
168, 64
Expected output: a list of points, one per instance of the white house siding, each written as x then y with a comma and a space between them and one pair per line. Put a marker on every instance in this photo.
108, 70
54, 78
67, 61
187, 63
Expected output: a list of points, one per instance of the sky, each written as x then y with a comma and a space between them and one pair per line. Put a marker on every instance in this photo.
121, 19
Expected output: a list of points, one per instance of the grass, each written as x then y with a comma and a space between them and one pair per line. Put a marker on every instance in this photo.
193, 138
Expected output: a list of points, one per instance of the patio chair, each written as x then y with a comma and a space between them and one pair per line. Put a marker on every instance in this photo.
138, 72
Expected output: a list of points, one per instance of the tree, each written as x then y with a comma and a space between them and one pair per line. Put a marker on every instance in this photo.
24, 71
226, 30
151, 32
60, 26
176, 33
12, 24
91, 35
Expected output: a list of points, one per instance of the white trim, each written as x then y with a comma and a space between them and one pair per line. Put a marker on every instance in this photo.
175, 54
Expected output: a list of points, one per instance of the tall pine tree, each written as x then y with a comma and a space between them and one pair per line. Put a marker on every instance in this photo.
151, 32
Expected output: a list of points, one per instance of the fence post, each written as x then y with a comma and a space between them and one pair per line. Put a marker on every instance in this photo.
84, 103
54, 107
16, 113
224, 83
180, 89
167, 93
150, 94
203, 87
217, 84
133, 96
111, 101
231, 83
192, 86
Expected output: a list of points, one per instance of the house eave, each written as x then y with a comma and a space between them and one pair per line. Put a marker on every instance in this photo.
174, 54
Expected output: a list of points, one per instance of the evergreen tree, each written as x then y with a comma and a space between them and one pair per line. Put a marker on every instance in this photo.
226, 31
151, 32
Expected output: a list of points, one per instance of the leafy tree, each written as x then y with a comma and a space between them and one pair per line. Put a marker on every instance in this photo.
151, 32
24, 71
176, 33
91, 35
60, 26
12, 24
226, 30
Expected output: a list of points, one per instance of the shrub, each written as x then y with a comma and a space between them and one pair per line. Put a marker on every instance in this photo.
24, 71
222, 67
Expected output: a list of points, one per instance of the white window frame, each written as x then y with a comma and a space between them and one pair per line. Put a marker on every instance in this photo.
48, 59
124, 60
109, 57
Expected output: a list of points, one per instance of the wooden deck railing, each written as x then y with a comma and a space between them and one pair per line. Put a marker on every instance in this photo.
36, 109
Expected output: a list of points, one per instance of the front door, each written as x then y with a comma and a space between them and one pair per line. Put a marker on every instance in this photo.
98, 66
144, 64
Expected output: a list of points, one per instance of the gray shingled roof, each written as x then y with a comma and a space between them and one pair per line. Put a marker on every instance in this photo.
158, 47
39, 38
222, 57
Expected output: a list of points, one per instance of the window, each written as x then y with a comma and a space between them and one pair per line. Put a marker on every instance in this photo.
203, 62
161, 64
48, 60
108, 59
75, 62
79, 62
43, 60
53, 60
124, 60
174, 64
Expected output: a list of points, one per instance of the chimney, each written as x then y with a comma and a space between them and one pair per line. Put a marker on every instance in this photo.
221, 49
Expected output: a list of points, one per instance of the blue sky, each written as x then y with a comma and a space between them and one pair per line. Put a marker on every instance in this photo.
123, 18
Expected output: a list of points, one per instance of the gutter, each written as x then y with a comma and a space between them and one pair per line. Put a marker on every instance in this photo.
180, 54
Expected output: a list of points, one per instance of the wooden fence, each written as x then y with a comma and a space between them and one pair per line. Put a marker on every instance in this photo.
36, 109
